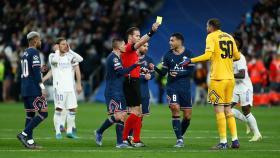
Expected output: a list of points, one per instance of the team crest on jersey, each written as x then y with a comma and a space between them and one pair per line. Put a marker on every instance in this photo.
116, 60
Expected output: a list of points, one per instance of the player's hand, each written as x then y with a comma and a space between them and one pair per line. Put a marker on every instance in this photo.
144, 70
148, 76
79, 88
151, 66
173, 74
185, 62
155, 26
55, 47
44, 93
44, 68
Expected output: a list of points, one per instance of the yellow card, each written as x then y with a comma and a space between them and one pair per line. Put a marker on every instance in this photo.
159, 19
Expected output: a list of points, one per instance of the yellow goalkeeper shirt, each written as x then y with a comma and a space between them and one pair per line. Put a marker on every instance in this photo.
221, 50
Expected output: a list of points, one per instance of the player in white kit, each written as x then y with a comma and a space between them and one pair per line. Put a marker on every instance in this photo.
243, 94
64, 63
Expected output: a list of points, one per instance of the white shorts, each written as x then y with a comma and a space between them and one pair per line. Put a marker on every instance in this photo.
65, 100
245, 98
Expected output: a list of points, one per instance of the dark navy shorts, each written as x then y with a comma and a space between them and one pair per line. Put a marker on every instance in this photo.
115, 104
181, 97
34, 103
145, 105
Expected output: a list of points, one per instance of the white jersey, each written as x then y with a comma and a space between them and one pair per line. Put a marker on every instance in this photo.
242, 85
63, 70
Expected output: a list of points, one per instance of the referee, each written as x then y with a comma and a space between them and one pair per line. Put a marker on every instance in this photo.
132, 82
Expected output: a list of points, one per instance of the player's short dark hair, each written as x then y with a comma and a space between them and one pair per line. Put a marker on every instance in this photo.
214, 22
238, 40
131, 30
116, 42
59, 39
179, 36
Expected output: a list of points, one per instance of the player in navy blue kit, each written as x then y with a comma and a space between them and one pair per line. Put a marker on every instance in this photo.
114, 95
178, 85
32, 90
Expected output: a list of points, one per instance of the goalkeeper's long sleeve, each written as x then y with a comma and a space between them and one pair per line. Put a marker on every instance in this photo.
204, 57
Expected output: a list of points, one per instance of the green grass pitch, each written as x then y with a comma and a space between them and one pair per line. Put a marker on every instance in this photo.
157, 134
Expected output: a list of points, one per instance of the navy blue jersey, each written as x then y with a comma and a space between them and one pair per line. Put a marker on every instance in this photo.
145, 60
115, 75
170, 63
30, 73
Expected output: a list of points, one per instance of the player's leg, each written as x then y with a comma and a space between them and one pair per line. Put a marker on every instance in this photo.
39, 103
229, 86
186, 107
120, 113
133, 100
174, 105
59, 103
215, 96
63, 120
71, 105
246, 103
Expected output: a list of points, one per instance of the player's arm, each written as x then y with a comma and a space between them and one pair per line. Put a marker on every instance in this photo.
241, 66
236, 53
152, 72
77, 57
47, 76
36, 68
144, 39
164, 69
122, 71
240, 74
78, 78
209, 49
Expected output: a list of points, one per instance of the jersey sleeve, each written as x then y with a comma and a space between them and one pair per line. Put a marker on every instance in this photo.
236, 53
35, 59
210, 45
116, 63
241, 64
129, 48
36, 67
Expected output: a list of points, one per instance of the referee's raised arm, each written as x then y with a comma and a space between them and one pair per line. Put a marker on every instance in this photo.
144, 39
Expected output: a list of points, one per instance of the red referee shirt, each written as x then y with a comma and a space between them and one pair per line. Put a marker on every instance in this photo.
130, 57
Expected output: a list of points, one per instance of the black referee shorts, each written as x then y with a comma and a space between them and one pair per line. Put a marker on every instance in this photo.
132, 91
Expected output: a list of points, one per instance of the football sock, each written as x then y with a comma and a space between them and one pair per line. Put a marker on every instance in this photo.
137, 130
57, 121
129, 124
34, 123
64, 117
119, 131
71, 116
253, 123
222, 127
29, 117
232, 126
106, 124
184, 125
238, 115
177, 126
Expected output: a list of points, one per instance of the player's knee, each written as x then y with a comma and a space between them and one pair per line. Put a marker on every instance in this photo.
73, 110
246, 110
30, 114
58, 109
43, 115
187, 115
174, 107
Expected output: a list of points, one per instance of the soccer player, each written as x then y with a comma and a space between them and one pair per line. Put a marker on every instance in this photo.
64, 62
132, 82
221, 50
145, 76
32, 90
243, 94
178, 85
114, 95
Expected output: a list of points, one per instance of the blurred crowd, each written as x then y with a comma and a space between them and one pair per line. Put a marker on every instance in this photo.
88, 25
